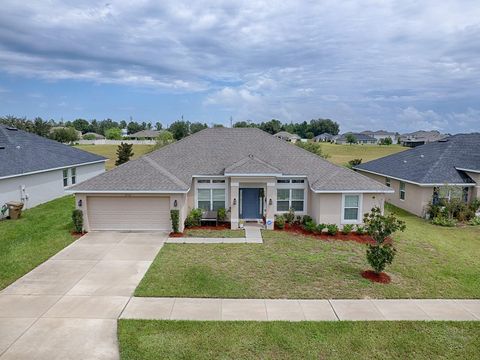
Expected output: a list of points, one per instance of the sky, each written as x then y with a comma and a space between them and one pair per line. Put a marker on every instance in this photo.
394, 65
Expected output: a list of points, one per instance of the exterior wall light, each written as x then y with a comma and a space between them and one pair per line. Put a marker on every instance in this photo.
80, 202
175, 203
270, 202
234, 201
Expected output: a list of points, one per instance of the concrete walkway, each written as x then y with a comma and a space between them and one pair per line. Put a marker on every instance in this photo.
299, 310
253, 235
67, 308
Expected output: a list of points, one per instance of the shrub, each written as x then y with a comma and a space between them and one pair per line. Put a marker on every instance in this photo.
221, 214
347, 229
441, 220
113, 134
380, 256
306, 218
354, 162
175, 217
380, 227
89, 137
475, 221
310, 226
298, 220
289, 216
320, 228
280, 222
194, 218
77, 217
332, 229
360, 230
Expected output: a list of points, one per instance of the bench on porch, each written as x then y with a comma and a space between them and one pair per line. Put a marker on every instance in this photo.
209, 216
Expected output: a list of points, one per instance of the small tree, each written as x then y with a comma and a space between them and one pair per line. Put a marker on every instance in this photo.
380, 227
113, 134
385, 141
77, 218
351, 139
354, 162
64, 135
175, 217
124, 153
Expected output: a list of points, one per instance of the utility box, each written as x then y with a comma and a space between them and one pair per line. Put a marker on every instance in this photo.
14, 209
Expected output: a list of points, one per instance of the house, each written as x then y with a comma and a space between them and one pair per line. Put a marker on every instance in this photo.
145, 134
324, 137
359, 138
443, 169
421, 137
285, 135
93, 136
250, 173
34, 169
381, 134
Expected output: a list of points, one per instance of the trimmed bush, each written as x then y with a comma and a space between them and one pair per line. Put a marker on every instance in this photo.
194, 218
347, 229
360, 230
77, 218
332, 229
320, 228
379, 256
175, 218
289, 216
280, 222
441, 220
306, 218
310, 226
221, 214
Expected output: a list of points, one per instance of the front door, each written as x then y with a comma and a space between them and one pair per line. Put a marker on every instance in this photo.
250, 203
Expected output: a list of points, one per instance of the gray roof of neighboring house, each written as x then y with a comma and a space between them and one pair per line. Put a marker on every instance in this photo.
22, 152
358, 136
324, 136
378, 132
432, 163
218, 150
145, 134
287, 135
422, 136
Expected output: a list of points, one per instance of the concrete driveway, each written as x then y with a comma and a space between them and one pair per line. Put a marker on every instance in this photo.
67, 308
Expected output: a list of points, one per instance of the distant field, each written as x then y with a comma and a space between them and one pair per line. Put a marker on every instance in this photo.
341, 154
109, 151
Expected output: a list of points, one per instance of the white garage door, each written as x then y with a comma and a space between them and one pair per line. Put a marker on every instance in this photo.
128, 213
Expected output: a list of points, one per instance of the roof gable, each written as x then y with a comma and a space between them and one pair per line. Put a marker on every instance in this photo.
252, 165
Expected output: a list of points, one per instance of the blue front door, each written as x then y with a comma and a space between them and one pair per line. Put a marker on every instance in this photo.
250, 204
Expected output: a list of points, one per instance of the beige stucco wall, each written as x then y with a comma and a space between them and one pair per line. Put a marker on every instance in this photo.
416, 197
475, 191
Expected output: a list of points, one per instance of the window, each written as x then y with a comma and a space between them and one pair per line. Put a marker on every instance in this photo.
220, 181
402, 190
211, 199
387, 181
203, 181
290, 199
351, 208
297, 181
283, 181
73, 174
65, 177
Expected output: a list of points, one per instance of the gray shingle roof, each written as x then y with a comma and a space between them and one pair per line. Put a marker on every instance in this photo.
145, 134
22, 152
213, 151
286, 135
432, 163
251, 165
358, 137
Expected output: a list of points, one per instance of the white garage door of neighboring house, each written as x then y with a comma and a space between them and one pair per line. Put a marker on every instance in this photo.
128, 213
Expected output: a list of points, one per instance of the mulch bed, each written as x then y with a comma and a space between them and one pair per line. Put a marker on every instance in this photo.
77, 235
381, 278
219, 227
361, 239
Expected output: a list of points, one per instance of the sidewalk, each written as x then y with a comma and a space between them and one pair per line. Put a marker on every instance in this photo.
253, 235
300, 310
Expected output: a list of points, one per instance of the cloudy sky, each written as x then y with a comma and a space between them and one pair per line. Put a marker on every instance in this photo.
398, 65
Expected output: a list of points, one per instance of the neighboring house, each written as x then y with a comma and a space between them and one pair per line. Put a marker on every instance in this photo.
324, 137
359, 137
93, 135
145, 134
284, 135
34, 169
443, 169
421, 137
381, 134
245, 170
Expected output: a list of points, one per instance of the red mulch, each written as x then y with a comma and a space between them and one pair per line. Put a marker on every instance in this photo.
179, 234
77, 235
373, 276
361, 239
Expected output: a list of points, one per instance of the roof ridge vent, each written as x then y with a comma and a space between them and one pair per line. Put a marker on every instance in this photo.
250, 156
422, 156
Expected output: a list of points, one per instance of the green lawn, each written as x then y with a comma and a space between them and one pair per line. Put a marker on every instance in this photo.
341, 154
432, 262
109, 151
208, 233
40, 233
144, 339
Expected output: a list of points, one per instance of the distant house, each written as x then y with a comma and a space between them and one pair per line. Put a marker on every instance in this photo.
93, 136
381, 134
285, 135
34, 170
145, 134
446, 168
324, 137
421, 137
359, 137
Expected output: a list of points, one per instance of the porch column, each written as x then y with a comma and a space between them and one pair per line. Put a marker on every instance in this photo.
271, 205
234, 203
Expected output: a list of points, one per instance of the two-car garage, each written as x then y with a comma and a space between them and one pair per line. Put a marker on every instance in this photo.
128, 212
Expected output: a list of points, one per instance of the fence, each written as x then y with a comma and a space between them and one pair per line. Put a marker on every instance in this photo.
115, 142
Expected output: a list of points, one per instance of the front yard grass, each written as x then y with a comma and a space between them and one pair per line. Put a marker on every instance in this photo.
209, 233
110, 152
431, 262
147, 339
340, 154
40, 233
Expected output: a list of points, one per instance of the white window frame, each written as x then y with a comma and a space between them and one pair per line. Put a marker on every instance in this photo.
73, 175
210, 185
360, 211
290, 186
65, 177
400, 190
